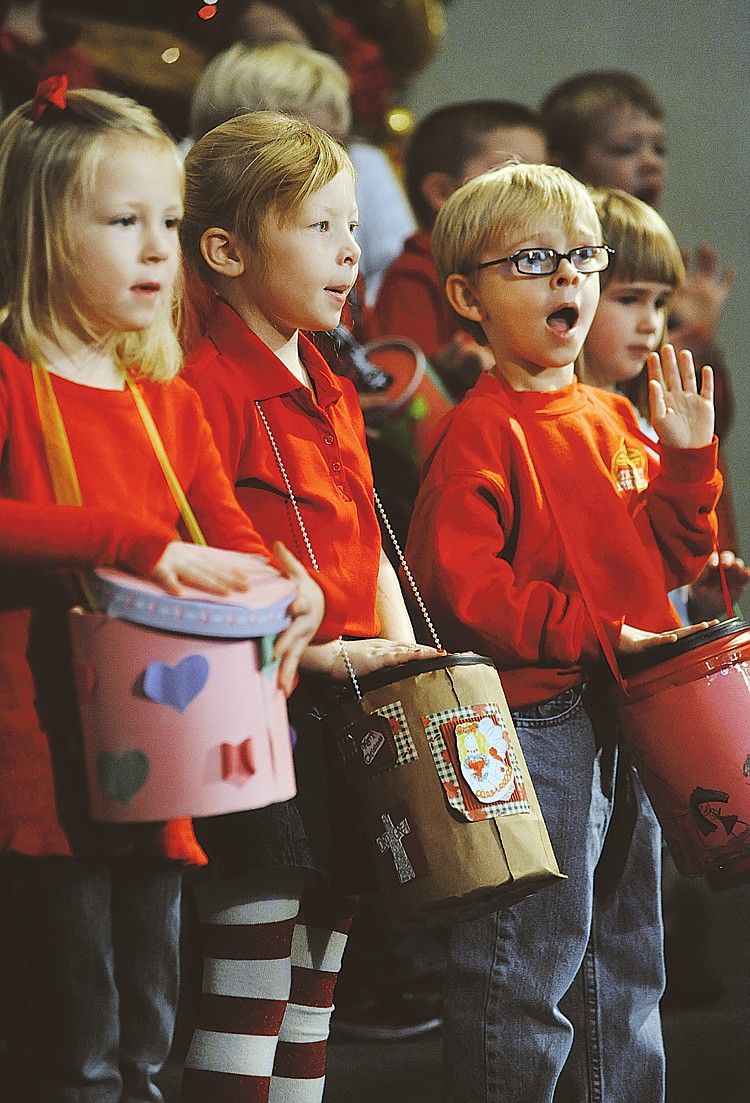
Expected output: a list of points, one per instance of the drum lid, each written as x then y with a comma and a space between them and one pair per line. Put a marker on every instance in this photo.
645, 660
262, 610
384, 677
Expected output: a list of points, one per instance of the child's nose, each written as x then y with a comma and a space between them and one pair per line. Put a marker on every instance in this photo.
566, 272
351, 250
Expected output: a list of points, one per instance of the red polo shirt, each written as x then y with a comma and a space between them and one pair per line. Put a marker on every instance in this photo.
321, 439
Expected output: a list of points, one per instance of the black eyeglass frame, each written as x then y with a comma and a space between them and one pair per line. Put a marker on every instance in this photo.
559, 257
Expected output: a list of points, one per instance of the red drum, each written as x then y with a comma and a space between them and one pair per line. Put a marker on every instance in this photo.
447, 811
410, 408
181, 711
686, 720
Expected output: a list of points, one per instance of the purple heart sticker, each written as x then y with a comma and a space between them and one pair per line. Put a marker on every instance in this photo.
177, 685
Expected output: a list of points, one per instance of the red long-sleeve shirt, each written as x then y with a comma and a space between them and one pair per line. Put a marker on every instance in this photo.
411, 301
128, 518
486, 551
322, 444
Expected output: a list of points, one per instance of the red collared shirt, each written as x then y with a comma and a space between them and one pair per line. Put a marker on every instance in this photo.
321, 440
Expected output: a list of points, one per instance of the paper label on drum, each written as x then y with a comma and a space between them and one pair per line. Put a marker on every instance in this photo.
475, 761
379, 741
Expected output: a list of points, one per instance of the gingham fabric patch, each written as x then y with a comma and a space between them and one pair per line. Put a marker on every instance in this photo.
406, 750
440, 730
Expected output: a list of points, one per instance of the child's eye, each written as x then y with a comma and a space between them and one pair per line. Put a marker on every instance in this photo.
353, 226
173, 223
322, 226
124, 220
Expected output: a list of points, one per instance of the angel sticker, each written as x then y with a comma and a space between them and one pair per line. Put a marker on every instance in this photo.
484, 758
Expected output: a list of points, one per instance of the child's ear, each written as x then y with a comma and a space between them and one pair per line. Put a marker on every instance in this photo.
221, 252
463, 298
436, 187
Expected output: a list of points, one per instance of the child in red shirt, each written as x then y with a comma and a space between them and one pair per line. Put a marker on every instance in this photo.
450, 145
90, 202
269, 228
536, 482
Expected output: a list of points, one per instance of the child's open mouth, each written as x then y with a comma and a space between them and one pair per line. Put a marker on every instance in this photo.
564, 319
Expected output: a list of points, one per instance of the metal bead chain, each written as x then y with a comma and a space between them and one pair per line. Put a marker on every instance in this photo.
305, 537
407, 572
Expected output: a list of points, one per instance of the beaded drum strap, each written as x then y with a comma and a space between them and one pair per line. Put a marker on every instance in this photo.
314, 561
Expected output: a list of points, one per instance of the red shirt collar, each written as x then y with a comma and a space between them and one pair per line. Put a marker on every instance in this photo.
234, 340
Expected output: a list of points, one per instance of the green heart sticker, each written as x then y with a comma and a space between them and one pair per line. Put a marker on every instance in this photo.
122, 775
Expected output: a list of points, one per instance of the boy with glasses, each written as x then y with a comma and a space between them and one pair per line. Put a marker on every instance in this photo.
539, 490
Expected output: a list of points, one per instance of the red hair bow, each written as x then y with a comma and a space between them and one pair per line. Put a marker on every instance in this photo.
53, 91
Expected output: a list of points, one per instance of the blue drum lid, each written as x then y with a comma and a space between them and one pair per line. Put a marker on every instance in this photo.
262, 610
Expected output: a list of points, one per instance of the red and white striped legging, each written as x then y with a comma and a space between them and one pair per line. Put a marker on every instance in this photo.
271, 959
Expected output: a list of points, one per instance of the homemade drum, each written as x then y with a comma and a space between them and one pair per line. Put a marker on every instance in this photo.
180, 707
448, 813
686, 720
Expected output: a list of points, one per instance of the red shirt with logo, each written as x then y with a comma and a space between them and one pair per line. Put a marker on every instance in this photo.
321, 441
487, 553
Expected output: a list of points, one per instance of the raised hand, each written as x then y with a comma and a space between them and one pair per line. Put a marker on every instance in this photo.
682, 416
695, 308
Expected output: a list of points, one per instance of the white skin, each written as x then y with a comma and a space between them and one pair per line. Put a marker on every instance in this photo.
126, 258
309, 266
536, 326
627, 326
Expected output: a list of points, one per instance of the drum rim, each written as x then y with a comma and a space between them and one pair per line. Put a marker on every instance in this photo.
647, 660
391, 674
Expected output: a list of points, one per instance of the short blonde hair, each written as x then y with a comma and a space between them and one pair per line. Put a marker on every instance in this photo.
489, 212
46, 167
250, 168
283, 77
645, 248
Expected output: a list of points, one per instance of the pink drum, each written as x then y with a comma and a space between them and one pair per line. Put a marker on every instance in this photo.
686, 720
180, 707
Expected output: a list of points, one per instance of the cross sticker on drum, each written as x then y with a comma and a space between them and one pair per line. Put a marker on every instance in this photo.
391, 840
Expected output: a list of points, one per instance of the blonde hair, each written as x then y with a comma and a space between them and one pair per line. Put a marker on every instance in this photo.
645, 248
250, 168
645, 251
487, 213
283, 77
46, 167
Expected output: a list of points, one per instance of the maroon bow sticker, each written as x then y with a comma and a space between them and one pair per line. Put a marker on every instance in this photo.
52, 91
237, 759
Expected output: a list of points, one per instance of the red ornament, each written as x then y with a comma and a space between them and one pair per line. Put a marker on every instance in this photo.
51, 91
208, 11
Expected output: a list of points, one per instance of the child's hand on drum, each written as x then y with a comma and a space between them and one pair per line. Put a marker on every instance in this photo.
635, 640
365, 656
183, 564
306, 611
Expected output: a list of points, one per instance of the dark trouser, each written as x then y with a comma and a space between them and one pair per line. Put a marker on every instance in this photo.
91, 977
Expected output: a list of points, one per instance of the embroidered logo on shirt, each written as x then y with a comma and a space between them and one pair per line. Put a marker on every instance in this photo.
629, 467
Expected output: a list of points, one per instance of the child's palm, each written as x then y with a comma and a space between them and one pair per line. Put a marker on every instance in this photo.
682, 416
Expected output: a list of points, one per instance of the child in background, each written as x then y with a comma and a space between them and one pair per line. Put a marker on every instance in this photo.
607, 128
448, 147
631, 322
559, 995
269, 226
90, 204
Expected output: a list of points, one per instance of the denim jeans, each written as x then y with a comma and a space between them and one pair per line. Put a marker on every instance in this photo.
557, 998
92, 976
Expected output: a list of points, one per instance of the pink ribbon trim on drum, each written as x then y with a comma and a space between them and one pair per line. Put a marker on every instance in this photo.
237, 759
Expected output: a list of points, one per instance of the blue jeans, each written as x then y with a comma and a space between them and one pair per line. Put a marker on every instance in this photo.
92, 976
557, 998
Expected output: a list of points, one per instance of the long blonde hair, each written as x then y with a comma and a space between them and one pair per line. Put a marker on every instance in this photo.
46, 166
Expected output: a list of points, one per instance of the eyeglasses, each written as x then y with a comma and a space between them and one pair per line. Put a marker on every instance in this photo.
544, 262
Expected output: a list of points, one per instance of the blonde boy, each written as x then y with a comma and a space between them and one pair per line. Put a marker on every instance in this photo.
537, 482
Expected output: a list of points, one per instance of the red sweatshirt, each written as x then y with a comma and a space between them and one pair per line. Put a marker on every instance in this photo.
322, 444
486, 551
411, 301
127, 520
